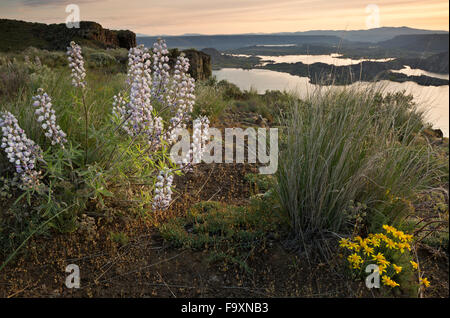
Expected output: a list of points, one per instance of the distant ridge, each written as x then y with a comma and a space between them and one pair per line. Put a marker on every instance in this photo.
369, 35
224, 42
17, 35
330, 37
418, 42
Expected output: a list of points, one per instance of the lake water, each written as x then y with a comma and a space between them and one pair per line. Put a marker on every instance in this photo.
417, 72
276, 45
333, 59
237, 55
433, 99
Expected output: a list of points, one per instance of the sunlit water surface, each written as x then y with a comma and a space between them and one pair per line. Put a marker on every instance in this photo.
333, 59
433, 99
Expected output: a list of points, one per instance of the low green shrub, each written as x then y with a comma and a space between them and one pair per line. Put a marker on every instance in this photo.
228, 232
210, 102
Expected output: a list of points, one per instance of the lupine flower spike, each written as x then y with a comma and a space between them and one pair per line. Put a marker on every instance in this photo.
200, 136
139, 109
76, 63
20, 151
47, 119
163, 190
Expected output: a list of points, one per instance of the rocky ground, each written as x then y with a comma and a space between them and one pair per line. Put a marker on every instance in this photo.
121, 255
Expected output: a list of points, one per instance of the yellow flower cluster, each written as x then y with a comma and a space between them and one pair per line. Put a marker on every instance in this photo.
370, 249
355, 260
388, 281
425, 282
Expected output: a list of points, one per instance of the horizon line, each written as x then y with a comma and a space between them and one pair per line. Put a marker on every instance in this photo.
248, 33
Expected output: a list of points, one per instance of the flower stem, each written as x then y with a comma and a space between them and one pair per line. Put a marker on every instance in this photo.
86, 125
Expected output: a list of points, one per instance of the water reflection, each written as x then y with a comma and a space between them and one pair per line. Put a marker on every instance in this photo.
418, 72
433, 99
332, 59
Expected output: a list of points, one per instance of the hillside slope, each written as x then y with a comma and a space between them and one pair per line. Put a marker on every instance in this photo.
17, 35
418, 42
225, 42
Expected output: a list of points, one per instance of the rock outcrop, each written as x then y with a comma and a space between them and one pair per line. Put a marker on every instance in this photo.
92, 31
200, 62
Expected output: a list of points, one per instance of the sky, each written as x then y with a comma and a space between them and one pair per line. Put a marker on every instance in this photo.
175, 17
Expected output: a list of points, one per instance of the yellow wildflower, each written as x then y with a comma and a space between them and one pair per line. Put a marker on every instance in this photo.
384, 263
407, 237
388, 281
397, 269
393, 283
402, 246
382, 237
381, 260
354, 258
344, 242
382, 268
368, 250
398, 234
379, 257
353, 246
425, 282
414, 264
391, 244
375, 241
389, 229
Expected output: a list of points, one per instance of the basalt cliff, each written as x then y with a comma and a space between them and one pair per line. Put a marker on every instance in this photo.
17, 35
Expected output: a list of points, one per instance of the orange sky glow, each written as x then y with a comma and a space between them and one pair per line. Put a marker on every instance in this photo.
233, 16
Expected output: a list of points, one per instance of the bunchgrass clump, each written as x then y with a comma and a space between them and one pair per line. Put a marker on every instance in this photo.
346, 147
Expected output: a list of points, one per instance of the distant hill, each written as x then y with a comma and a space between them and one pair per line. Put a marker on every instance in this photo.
437, 63
234, 41
370, 35
226, 42
418, 42
17, 35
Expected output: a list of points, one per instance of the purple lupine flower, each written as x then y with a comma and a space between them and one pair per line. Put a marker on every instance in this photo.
163, 190
47, 119
76, 63
181, 97
139, 108
20, 151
